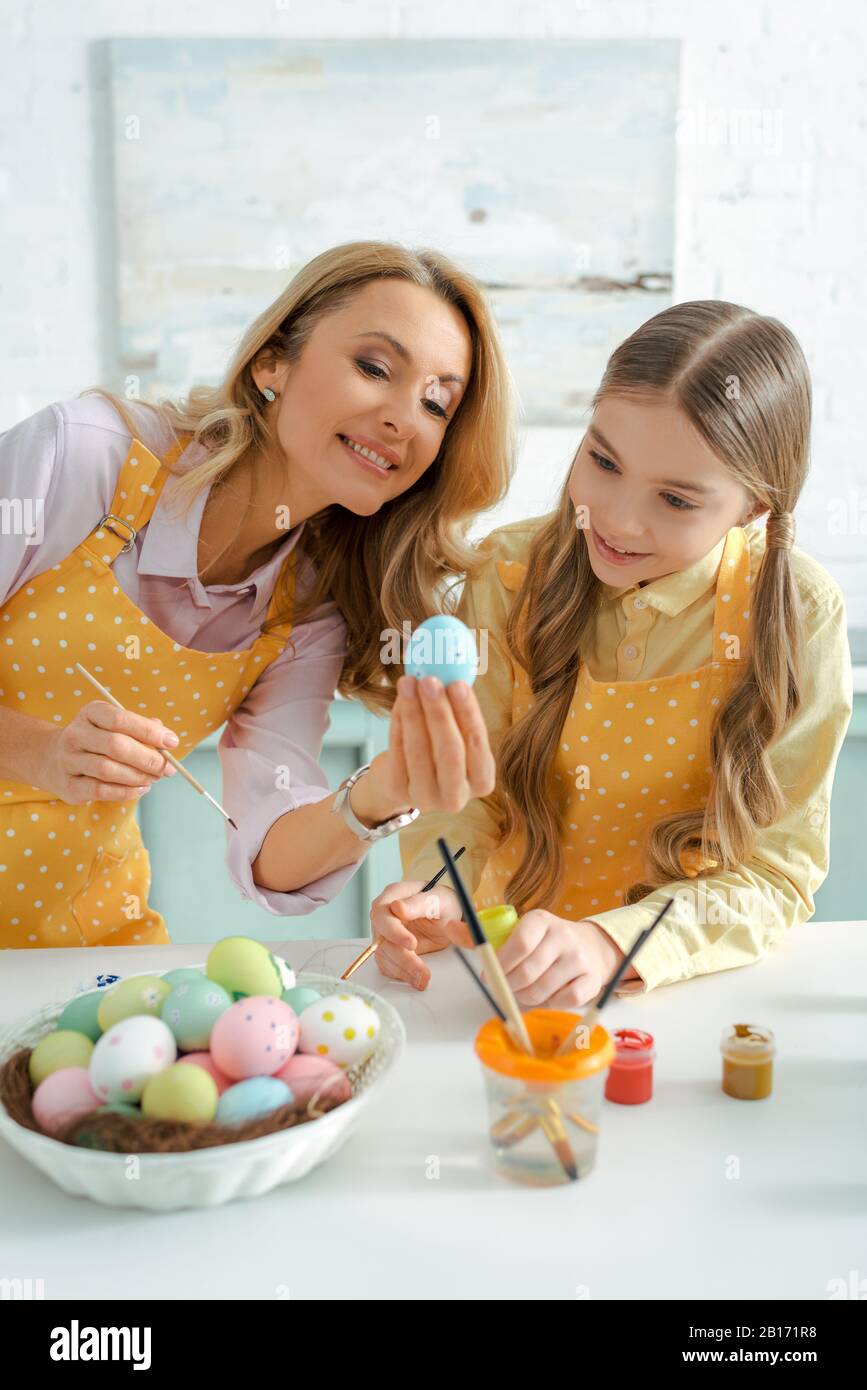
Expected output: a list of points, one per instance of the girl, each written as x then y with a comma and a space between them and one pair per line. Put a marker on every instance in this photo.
668, 688
330, 480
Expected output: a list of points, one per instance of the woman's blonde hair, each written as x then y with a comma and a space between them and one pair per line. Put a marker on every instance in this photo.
388, 568
742, 381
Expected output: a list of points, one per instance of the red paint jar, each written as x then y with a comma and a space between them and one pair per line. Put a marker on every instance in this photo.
630, 1078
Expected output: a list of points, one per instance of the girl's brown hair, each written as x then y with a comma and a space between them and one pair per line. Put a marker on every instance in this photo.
759, 427
392, 567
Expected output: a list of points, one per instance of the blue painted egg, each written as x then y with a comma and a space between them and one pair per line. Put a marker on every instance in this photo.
444, 647
247, 1100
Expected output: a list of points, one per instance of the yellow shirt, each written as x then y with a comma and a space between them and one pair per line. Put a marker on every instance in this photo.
718, 928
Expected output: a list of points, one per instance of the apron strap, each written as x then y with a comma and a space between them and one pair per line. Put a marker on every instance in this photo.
139, 484
732, 606
269, 645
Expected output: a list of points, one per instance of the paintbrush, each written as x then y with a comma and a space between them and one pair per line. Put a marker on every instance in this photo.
552, 1124
369, 950
107, 695
488, 954
588, 1021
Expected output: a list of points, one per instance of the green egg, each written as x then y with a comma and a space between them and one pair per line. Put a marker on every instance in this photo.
192, 1009
244, 966
183, 975
62, 1048
80, 1014
142, 994
89, 1139
181, 1092
299, 997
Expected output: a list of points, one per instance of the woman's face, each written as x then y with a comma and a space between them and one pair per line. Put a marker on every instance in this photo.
386, 373
640, 472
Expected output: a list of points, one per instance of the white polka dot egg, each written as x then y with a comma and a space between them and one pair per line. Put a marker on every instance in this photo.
341, 1027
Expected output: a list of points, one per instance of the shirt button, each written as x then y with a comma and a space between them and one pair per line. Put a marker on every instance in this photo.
640, 603
815, 818
630, 652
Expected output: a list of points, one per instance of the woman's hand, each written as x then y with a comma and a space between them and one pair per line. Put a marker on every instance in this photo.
408, 924
104, 754
550, 962
438, 756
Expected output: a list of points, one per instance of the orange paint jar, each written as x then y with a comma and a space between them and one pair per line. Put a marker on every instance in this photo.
748, 1052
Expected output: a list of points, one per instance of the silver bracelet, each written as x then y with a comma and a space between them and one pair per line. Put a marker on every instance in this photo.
364, 832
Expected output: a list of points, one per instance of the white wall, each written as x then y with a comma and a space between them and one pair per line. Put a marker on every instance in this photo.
772, 208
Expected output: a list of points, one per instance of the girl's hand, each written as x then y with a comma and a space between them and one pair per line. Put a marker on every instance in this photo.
408, 924
550, 962
439, 756
104, 754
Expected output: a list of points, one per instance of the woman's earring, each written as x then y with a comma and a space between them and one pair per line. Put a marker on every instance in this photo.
269, 394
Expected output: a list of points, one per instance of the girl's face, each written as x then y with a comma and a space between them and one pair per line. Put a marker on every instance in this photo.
652, 487
385, 373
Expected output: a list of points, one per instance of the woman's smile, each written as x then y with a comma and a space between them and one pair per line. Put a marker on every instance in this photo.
374, 458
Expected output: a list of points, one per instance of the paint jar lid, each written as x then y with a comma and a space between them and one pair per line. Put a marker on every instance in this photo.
747, 1042
547, 1028
497, 923
634, 1048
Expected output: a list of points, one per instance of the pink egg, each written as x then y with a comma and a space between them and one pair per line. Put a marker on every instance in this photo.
255, 1037
63, 1095
205, 1060
306, 1075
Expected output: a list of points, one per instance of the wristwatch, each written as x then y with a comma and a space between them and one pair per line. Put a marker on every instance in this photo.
365, 832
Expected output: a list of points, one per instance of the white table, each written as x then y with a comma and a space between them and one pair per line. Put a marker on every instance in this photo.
660, 1217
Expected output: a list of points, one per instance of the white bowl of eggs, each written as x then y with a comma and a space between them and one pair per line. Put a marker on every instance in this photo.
250, 1051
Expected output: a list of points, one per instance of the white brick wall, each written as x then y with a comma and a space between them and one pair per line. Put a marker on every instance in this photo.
775, 216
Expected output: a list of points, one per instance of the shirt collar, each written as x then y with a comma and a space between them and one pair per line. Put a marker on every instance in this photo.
673, 592
171, 543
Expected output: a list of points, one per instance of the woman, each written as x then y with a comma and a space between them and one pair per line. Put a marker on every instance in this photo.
329, 482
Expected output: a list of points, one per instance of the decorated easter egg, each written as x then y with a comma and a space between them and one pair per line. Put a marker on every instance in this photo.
183, 975
192, 1009
129, 1054
245, 967
442, 646
254, 1037
80, 1014
142, 994
306, 1075
204, 1059
299, 997
341, 1027
63, 1095
249, 1099
180, 1093
58, 1051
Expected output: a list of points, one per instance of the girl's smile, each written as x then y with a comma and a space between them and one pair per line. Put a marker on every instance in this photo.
614, 556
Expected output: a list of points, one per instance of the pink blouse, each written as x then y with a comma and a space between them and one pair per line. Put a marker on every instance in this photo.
61, 466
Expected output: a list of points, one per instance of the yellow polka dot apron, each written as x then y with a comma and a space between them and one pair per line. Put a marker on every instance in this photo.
79, 875
630, 753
